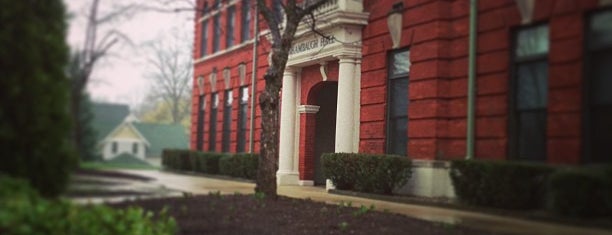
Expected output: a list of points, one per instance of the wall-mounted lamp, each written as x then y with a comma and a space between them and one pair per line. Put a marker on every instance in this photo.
394, 22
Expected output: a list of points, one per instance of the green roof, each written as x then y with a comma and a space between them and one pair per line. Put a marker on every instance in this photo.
106, 117
162, 136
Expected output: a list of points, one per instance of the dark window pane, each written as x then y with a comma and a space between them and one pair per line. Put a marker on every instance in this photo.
532, 41
400, 63
216, 33
601, 29
242, 120
601, 78
231, 24
532, 135
200, 124
204, 42
212, 130
246, 19
227, 118
601, 134
532, 86
278, 11
399, 97
398, 136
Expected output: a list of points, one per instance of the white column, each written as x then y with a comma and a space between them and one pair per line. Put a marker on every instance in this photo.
286, 175
357, 103
345, 115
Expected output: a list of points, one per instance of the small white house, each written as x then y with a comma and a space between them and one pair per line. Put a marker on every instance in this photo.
124, 139
120, 133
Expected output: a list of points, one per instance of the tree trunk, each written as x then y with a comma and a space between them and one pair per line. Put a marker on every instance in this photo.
268, 160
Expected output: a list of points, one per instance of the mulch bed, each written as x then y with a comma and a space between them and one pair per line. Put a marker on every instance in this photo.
111, 174
246, 214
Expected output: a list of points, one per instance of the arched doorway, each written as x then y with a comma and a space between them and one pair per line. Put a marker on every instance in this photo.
324, 95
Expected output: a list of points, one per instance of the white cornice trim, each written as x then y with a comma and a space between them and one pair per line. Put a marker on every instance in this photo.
308, 108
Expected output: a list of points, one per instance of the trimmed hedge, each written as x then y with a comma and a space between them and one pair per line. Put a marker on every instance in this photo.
580, 192
500, 184
242, 165
373, 173
23, 211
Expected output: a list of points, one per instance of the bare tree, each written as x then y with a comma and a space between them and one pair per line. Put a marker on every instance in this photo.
283, 35
171, 75
94, 48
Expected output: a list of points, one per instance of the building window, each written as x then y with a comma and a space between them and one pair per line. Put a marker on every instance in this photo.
230, 25
114, 147
242, 119
212, 130
246, 20
216, 33
204, 41
278, 11
227, 120
397, 99
529, 94
200, 124
216, 4
135, 148
598, 112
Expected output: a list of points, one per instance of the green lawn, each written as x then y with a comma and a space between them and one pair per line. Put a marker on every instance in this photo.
110, 165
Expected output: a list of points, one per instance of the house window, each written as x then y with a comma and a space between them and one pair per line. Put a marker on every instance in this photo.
212, 130
242, 119
598, 112
230, 25
529, 94
397, 99
246, 20
216, 33
114, 147
216, 4
227, 120
135, 148
200, 124
204, 41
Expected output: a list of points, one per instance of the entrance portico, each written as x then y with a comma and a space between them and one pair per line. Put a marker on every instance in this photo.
342, 49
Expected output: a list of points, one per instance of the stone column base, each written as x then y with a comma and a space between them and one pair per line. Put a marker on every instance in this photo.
329, 185
287, 178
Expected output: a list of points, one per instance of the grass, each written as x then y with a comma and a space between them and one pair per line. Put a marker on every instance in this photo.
108, 165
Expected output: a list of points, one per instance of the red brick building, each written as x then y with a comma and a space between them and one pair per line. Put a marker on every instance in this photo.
393, 77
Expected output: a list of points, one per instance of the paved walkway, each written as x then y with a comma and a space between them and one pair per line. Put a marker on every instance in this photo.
203, 185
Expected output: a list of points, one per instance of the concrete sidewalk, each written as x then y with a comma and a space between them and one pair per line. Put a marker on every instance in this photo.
494, 223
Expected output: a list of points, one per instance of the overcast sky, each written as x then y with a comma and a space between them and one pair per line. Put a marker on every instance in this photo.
120, 77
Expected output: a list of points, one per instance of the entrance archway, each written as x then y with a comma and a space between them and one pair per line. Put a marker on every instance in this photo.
324, 95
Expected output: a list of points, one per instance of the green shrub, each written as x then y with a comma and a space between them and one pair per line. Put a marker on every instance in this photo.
340, 168
367, 172
23, 212
34, 120
209, 163
580, 192
241, 165
500, 184
171, 159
